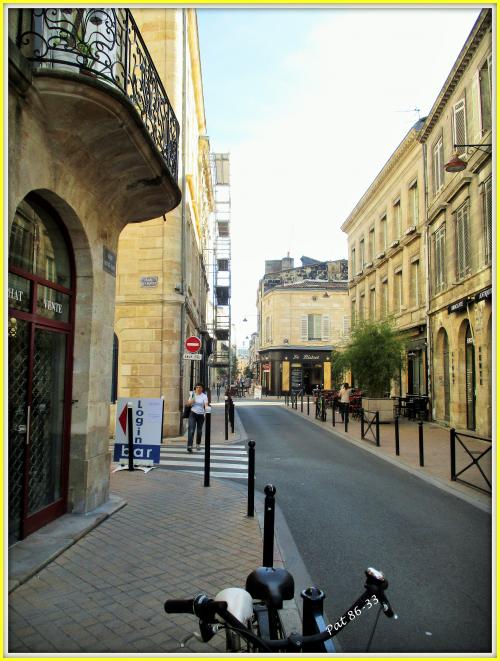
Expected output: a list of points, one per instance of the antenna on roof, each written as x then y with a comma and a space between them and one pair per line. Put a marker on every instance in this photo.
417, 110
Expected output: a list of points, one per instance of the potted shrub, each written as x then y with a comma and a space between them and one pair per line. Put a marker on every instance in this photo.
374, 356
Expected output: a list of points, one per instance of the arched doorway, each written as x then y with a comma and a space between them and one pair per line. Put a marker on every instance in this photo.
446, 377
470, 379
40, 341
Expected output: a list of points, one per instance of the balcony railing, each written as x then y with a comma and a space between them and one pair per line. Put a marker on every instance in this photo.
105, 44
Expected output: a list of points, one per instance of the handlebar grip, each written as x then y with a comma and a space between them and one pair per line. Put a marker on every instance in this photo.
179, 606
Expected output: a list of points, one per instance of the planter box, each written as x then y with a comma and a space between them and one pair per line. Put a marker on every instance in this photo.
384, 405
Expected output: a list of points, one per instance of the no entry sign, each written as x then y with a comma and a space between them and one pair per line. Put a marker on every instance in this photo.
192, 344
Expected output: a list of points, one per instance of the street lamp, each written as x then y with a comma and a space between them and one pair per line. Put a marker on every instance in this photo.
457, 164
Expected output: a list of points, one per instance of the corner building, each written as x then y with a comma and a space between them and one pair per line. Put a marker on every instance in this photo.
303, 317
93, 142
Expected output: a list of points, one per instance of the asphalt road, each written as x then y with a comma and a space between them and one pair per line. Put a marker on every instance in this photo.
348, 510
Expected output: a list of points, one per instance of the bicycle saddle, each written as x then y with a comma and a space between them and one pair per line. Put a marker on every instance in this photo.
271, 585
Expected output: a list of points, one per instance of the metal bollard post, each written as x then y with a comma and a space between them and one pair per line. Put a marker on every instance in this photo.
226, 420
346, 418
130, 436
268, 550
251, 477
307, 404
421, 442
396, 432
313, 619
301, 403
323, 410
452, 455
208, 424
362, 418
231, 416
377, 429
333, 412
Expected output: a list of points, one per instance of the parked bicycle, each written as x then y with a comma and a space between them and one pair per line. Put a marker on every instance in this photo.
251, 617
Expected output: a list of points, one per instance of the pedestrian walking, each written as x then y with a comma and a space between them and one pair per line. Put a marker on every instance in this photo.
198, 402
344, 398
218, 389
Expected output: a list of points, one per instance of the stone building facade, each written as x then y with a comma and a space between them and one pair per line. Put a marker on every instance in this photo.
420, 244
459, 221
87, 156
301, 321
162, 280
387, 257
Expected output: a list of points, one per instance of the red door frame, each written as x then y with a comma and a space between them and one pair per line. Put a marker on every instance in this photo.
30, 524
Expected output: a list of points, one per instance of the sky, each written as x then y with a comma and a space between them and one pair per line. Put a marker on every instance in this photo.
310, 104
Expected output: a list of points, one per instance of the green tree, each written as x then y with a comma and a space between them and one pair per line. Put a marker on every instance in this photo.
374, 355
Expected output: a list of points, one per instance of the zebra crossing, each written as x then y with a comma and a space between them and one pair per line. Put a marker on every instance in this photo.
226, 461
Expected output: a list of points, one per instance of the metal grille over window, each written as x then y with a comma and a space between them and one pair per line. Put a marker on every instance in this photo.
463, 241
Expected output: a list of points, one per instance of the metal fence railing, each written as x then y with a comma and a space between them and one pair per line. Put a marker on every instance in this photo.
474, 453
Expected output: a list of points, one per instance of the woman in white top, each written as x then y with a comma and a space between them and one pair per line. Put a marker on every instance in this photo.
344, 395
198, 402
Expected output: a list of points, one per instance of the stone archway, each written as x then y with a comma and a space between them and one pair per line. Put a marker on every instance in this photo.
442, 381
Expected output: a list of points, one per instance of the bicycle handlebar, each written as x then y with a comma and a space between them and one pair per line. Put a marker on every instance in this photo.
206, 609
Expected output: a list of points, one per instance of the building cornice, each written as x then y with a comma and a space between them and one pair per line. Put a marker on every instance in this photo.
482, 25
410, 140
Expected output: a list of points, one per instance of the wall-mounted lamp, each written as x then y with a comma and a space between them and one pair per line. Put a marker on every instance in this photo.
457, 164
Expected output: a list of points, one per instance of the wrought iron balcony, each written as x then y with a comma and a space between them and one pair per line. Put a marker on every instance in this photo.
107, 45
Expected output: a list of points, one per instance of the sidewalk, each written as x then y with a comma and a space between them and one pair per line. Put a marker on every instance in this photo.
436, 467
97, 583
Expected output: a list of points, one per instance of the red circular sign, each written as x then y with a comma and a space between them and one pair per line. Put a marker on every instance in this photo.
192, 344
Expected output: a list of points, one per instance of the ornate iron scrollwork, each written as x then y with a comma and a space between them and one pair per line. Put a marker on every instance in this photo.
104, 43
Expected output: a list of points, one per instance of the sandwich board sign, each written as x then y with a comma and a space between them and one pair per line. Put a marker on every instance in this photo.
147, 419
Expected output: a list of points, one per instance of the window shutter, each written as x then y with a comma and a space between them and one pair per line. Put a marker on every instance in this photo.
476, 108
347, 325
303, 328
487, 213
459, 127
325, 331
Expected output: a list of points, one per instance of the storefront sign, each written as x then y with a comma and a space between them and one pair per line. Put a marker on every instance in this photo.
109, 261
52, 306
483, 295
306, 356
458, 306
147, 417
15, 294
149, 281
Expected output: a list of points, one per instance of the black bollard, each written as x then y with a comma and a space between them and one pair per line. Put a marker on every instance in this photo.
421, 442
333, 412
301, 403
307, 404
452, 455
268, 550
396, 433
377, 429
208, 424
226, 420
231, 416
362, 418
346, 418
251, 477
130, 436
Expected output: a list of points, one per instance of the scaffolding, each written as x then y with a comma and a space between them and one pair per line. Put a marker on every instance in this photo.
220, 360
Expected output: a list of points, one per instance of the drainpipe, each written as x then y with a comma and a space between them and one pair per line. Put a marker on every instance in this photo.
183, 217
430, 348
